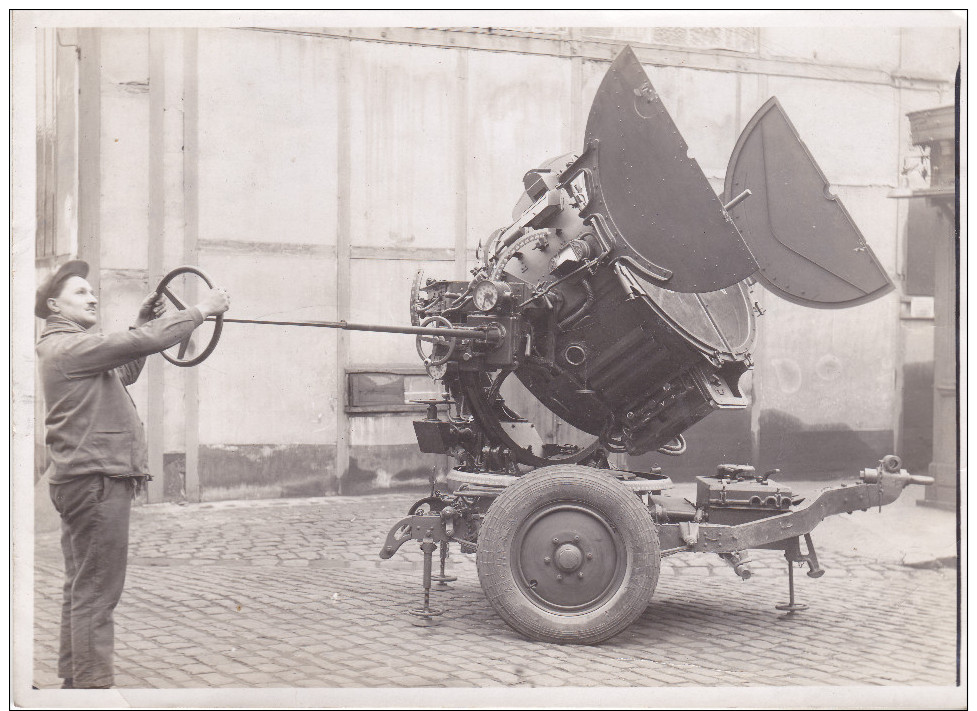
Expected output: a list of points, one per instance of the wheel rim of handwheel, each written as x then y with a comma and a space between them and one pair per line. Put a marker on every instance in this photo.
162, 289
569, 557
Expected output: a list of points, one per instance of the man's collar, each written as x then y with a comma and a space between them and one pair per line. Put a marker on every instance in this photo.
56, 323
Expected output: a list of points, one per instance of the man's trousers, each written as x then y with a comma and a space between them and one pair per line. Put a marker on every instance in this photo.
95, 541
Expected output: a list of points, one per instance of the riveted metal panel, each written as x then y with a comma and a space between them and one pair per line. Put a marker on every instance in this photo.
666, 219
808, 248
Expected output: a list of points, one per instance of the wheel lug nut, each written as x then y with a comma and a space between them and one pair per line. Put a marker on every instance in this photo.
546, 560
576, 539
556, 540
580, 575
590, 556
559, 577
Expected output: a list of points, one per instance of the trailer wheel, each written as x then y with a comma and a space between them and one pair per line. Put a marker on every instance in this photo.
568, 555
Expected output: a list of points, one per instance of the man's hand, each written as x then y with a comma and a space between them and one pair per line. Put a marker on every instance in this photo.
151, 307
216, 301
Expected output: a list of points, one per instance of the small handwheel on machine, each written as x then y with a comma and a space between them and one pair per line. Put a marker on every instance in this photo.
184, 345
568, 555
441, 347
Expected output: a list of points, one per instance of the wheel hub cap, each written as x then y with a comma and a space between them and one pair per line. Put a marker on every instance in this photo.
568, 558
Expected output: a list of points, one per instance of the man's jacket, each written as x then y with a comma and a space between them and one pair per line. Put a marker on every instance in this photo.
92, 423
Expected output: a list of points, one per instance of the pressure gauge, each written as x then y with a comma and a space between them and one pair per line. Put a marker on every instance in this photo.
486, 296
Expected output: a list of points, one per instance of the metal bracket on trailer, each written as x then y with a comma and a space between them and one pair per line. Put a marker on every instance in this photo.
414, 528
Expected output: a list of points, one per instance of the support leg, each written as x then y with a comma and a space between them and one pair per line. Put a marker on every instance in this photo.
425, 616
791, 606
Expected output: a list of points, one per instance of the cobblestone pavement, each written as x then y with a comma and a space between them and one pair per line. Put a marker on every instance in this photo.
292, 594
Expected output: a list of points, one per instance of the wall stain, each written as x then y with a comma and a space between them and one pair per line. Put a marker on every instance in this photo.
723, 437
822, 451
263, 471
267, 471
392, 468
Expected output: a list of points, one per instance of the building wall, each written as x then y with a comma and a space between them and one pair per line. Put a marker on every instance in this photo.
312, 173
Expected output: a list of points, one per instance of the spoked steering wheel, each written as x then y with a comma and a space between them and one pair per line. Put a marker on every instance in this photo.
441, 347
164, 290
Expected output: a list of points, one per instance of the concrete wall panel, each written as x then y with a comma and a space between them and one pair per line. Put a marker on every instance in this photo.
403, 139
384, 456
271, 384
871, 47
919, 341
368, 429
519, 106
829, 366
266, 471
174, 155
125, 57
932, 52
67, 156
592, 72
125, 149
267, 136
753, 92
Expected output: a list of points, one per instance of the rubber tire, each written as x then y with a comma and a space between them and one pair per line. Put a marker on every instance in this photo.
581, 486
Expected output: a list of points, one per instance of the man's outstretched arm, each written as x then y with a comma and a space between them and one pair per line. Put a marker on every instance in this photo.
91, 354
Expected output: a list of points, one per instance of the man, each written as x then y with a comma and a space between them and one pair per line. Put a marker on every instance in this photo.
98, 451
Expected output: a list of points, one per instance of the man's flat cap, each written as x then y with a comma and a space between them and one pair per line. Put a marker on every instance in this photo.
52, 285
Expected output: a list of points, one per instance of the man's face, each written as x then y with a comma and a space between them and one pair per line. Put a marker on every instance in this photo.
76, 302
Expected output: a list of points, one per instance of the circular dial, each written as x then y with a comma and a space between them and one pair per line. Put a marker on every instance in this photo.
486, 296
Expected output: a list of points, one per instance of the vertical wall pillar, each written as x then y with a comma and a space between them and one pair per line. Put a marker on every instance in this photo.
944, 467
936, 129
191, 155
343, 227
461, 165
89, 152
157, 201
578, 112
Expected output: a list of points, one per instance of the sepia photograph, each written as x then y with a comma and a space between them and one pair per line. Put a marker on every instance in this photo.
488, 359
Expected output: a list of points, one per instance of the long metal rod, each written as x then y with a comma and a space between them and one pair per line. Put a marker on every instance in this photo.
472, 333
